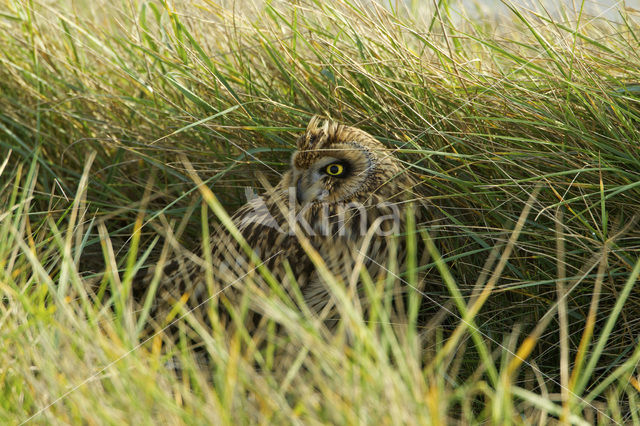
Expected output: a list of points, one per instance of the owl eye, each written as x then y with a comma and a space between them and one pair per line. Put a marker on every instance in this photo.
335, 169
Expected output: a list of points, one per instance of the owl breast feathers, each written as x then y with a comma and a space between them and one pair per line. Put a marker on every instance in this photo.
345, 196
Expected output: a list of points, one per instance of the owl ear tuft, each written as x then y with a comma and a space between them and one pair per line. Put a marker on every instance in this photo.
315, 129
319, 132
315, 124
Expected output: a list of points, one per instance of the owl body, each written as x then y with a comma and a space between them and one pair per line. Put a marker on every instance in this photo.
345, 196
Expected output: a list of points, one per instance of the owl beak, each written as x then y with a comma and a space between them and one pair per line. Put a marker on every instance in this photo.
308, 191
299, 192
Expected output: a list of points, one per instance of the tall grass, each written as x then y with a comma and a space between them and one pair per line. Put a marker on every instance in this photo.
526, 136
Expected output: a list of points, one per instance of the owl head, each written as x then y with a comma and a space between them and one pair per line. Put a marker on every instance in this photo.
336, 163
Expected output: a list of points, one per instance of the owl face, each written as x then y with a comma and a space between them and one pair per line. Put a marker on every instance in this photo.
337, 163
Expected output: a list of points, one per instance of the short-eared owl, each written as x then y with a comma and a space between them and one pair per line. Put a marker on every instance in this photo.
345, 194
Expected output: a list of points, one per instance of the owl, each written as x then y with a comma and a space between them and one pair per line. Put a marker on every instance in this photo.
342, 206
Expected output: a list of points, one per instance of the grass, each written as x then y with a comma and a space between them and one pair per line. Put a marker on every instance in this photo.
528, 134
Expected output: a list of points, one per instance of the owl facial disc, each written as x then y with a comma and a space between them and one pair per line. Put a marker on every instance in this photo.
334, 175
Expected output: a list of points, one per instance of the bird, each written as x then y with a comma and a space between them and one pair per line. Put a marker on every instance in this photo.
340, 207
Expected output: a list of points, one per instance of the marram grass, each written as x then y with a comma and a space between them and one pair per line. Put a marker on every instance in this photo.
113, 114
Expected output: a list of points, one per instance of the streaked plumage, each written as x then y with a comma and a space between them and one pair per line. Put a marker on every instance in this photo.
335, 170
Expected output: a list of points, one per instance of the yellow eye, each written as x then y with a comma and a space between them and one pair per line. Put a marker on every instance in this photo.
334, 169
